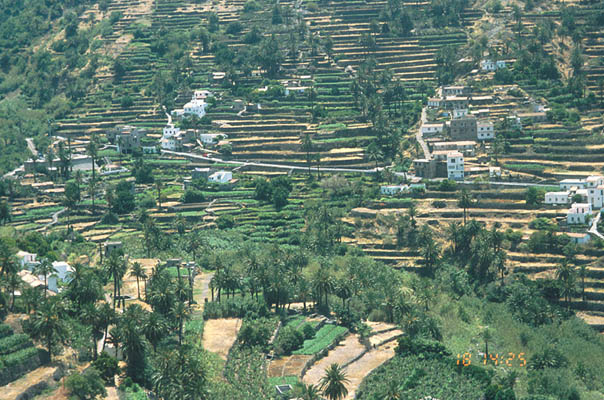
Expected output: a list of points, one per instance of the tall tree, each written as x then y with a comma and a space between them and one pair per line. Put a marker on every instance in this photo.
465, 201
333, 383
45, 268
138, 272
48, 325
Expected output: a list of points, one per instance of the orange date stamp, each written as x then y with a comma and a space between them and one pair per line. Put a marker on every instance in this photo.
509, 359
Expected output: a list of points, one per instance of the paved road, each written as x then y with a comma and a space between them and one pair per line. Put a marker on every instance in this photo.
419, 137
517, 184
32, 147
257, 164
594, 226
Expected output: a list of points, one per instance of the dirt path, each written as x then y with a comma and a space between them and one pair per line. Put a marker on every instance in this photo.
359, 369
111, 393
220, 334
288, 366
13, 389
380, 338
345, 351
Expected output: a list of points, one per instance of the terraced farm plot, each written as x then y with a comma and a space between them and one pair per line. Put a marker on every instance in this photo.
323, 338
358, 370
343, 353
219, 335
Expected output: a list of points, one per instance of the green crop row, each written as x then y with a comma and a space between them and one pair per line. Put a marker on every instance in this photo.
323, 338
13, 343
18, 357
5, 330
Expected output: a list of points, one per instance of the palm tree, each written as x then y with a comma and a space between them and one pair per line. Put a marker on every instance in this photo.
393, 392
47, 324
323, 284
430, 252
45, 268
115, 267
50, 155
92, 185
566, 275
154, 329
13, 282
5, 215
454, 234
93, 152
374, 154
465, 201
180, 313
333, 384
158, 186
138, 272
307, 392
486, 336
307, 147
106, 317
583, 275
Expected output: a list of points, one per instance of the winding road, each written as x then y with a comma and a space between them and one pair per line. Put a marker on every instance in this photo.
420, 138
593, 230
257, 164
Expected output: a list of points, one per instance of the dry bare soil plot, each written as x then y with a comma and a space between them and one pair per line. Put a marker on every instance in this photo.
358, 370
288, 366
219, 335
345, 351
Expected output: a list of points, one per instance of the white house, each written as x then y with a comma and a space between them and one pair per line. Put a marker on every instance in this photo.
295, 90
490, 65
394, 189
434, 102
595, 196
221, 177
27, 260
62, 274
495, 172
578, 213
567, 184
170, 130
201, 94
460, 112
593, 181
578, 238
193, 107
485, 130
211, 138
431, 129
168, 143
556, 198
455, 165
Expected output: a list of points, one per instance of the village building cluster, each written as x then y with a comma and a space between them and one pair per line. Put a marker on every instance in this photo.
583, 194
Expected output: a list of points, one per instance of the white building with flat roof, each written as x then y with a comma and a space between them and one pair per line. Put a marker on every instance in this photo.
394, 189
431, 129
578, 213
485, 130
455, 166
221, 177
557, 198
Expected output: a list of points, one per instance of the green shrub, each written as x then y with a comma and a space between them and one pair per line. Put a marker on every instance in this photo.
225, 221
14, 343
255, 332
192, 196
110, 219
420, 346
5, 330
107, 367
85, 386
309, 331
289, 339
235, 308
